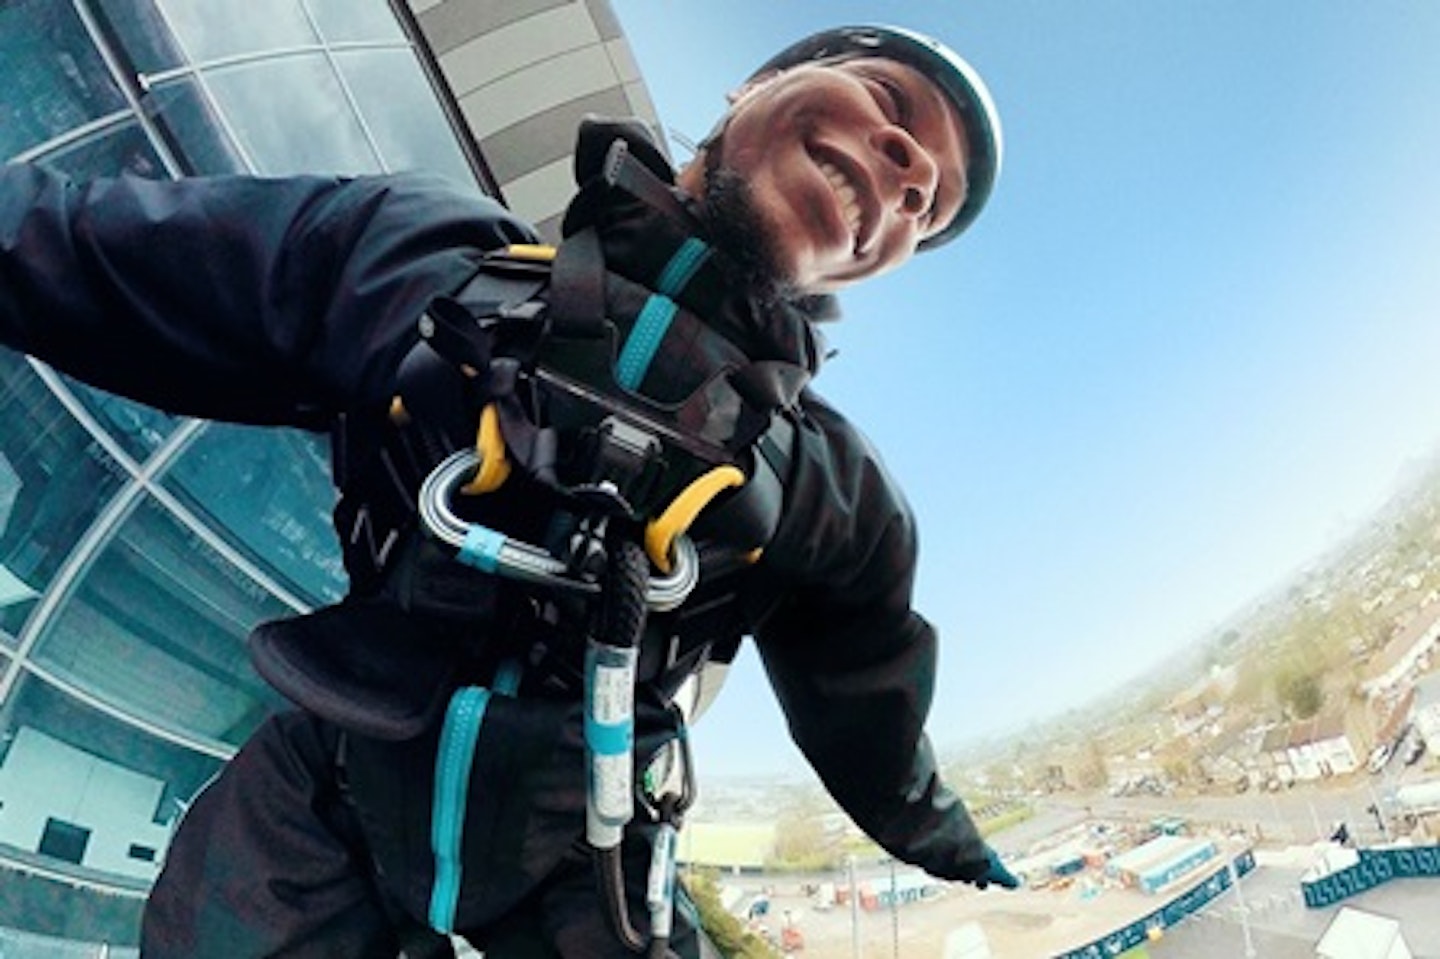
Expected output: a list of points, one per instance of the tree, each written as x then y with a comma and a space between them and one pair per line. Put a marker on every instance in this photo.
1300, 693
1093, 772
801, 843
727, 932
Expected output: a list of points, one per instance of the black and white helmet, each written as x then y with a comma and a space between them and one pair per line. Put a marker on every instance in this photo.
955, 78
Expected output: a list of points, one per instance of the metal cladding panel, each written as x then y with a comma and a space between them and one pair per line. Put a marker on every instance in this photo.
522, 73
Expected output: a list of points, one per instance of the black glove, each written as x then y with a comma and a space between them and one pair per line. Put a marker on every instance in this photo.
994, 871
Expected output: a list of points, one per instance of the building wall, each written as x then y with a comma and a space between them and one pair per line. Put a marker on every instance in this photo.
137, 549
54, 792
524, 72
1324, 757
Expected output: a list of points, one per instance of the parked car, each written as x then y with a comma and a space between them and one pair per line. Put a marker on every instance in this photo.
1412, 748
1379, 757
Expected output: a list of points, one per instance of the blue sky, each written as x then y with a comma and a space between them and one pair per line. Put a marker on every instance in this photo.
1191, 343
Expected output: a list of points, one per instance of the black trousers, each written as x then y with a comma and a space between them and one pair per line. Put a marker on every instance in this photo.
273, 859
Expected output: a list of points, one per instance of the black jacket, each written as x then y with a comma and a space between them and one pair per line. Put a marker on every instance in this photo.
291, 301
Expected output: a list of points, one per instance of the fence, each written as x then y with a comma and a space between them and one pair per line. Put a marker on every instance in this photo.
1376, 867
1191, 901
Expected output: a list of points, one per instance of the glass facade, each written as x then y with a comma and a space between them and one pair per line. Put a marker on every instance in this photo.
137, 549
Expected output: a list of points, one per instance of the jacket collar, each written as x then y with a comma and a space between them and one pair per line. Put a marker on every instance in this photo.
628, 195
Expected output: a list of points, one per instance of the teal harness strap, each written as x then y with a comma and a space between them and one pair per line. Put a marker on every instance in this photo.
644, 339
658, 313
507, 677
453, 762
683, 266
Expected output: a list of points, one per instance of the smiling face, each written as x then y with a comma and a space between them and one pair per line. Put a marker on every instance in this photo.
847, 165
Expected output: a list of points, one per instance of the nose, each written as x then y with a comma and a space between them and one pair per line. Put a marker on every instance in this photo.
912, 171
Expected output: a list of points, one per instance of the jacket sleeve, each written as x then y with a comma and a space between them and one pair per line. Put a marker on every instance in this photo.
853, 666
248, 299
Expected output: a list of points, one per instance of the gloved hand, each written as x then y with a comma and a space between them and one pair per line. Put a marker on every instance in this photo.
995, 872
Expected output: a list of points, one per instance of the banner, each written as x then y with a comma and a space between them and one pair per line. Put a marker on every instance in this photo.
1376, 867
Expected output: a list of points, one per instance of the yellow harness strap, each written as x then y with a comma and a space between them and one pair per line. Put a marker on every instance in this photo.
494, 468
531, 252
660, 533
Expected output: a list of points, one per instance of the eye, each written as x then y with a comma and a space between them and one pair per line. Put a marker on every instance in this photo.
892, 98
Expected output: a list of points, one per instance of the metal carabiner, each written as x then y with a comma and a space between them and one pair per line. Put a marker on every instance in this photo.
480, 546
494, 552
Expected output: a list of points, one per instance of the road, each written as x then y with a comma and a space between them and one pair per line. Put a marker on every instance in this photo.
1302, 814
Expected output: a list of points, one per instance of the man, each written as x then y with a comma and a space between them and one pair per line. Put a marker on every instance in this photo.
426, 787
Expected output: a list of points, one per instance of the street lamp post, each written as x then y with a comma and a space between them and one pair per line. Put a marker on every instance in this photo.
854, 908
894, 913
1280, 821
1314, 817
1244, 910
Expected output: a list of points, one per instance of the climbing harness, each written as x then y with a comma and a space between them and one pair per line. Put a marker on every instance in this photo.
574, 407
546, 536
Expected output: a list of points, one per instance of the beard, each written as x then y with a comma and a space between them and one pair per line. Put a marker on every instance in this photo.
729, 211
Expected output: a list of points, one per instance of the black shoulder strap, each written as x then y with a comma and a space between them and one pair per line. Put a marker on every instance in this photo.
577, 286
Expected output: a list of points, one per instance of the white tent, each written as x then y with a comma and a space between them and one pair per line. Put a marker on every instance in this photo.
1355, 934
967, 942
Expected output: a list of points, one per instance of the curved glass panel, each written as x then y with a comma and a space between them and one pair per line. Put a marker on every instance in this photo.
291, 116
54, 77
123, 148
17, 942
157, 627
139, 429
210, 30
355, 20
141, 33
54, 478
403, 113
195, 132
89, 796
268, 492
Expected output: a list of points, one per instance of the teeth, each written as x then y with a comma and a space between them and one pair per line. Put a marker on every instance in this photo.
845, 193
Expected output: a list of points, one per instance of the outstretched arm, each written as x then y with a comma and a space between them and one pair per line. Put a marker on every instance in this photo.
266, 301
852, 665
